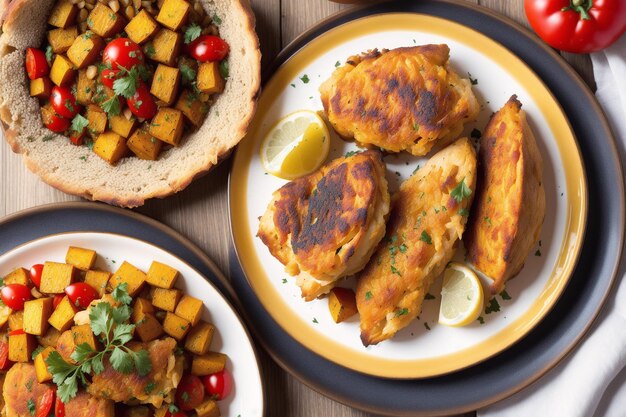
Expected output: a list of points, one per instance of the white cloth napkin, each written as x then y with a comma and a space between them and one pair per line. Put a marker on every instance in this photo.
592, 380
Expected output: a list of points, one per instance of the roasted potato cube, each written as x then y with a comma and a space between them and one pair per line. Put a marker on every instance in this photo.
342, 304
41, 368
85, 88
50, 338
167, 125
192, 107
21, 347
81, 258
110, 146
16, 320
63, 316
175, 326
208, 364
36, 315
133, 276
85, 49
142, 306
147, 327
144, 146
83, 334
208, 408
199, 339
41, 88
165, 83
165, 47
98, 280
123, 126
17, 276
210, 80
166, 299
173, 14
141, 27
97, 119
190, 309
161, 275
55, 277
62, 72
61, 39
5, 313
104, 21
63, 14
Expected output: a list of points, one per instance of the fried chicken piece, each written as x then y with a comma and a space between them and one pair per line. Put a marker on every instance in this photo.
404, 99
21, 387
325, 226
84, 405
510, 200
426, 221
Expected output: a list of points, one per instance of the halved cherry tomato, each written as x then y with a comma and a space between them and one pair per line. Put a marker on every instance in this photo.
142, 104
45, 403
16, 332
189, 393
59, 408
35, 274
81, 294
14, 296
108, 77
63, 102
53, 121
77, 138
218, 384
208, 48
57, 300
5, 363
122, 52
36, 63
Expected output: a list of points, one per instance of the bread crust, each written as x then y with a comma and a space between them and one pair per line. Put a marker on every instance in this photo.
132, 181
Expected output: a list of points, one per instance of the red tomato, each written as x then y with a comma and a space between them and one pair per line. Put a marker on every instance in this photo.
142, 104
5, 363
36, 63
59, 408
579, 26
63, 102
122, 52
45, 403
16, 332
14, 296
53, 121
108, 77
81, 294
77, 138
218, 384
178, 414
35, 274
189, 393
57, 300
208, 48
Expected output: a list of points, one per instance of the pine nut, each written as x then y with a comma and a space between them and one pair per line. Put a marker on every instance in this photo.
130, 12
83, 15
127, 113
114, 5
92, 72
89, 6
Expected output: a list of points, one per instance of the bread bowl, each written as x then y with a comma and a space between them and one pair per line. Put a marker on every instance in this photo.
74, 169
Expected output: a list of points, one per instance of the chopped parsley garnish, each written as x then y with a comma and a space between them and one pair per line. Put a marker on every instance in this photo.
284, 280
79, 123
48, 137
429, 296
416, 169
474, 81
31, 406
427, 326
505, 295
493, 306
150, 387
402, 248
425, 237
337, 64
315, 320
350, 153
461, 191
127, 82
305, 79
402, 312
49, 54
416, 127
192, 32
112, 106
217, 20
224, 69
36, 352
368, 295
150, 51
538, 253
463, 212
487, 220
481, 320
394, 270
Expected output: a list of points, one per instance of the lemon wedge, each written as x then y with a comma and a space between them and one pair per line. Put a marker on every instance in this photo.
461, 296
297, 145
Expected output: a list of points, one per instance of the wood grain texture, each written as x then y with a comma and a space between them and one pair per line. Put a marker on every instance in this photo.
201, 211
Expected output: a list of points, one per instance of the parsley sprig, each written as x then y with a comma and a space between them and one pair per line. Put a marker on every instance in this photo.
461, 191
192, 32
110, 325
126, 83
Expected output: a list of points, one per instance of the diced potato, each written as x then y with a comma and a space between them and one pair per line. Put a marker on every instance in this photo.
55, 277
142, 306
192, 107
175, 326
133, 276
104, 21
208, 364
85, 49
147, 326
165, 47
36, 315
41, 368
161, 275
208, 408
141, 27
5, 313
199, 338
63, 14
144, 146
17, 276
167, 125
123, 126
50, 338
81, 258
21, 347
103, 93
190, 309
173, 14
97, 119
62, 72
98, 280
16, 320
166, 299
85, 88
210, 80
61, 39
165, 83
110, 146
63, 316
83, 334
41, 88
342, 304
140, 411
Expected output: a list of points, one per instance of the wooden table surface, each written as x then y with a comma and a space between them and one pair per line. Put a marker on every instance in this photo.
201, 211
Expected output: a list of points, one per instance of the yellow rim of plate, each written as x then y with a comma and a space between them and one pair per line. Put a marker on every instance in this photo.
576, 186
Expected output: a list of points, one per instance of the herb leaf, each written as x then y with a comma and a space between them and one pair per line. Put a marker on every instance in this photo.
224, 69
79, 123
425, 237
187, 73
112, 106
192, 33
461, 191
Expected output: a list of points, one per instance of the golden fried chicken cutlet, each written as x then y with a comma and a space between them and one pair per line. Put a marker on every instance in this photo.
510, 200
426, 221
404, 99
326, 225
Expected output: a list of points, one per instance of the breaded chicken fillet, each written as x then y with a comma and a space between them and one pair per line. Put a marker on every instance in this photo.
426, 221
325, 226
404, 99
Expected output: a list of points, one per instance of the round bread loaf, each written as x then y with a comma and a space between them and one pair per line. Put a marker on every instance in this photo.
75, 169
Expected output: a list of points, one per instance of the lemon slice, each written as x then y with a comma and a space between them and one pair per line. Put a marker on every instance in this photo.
461, 296
297, 145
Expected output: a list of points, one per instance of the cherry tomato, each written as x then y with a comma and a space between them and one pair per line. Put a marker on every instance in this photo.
5, 363
579, 26
77, 138
57, 300
189, 393
16, 332
81, 294
218, 384
178, 414
122, 52
53, 121
59, 408
35, 274
14, 296
36, 63
142, 104
108, 77
208, 48
63, 102
45, 403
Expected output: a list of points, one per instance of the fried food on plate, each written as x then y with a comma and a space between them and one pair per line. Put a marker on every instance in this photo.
326, 225
510, 201
426, 221
404, 99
